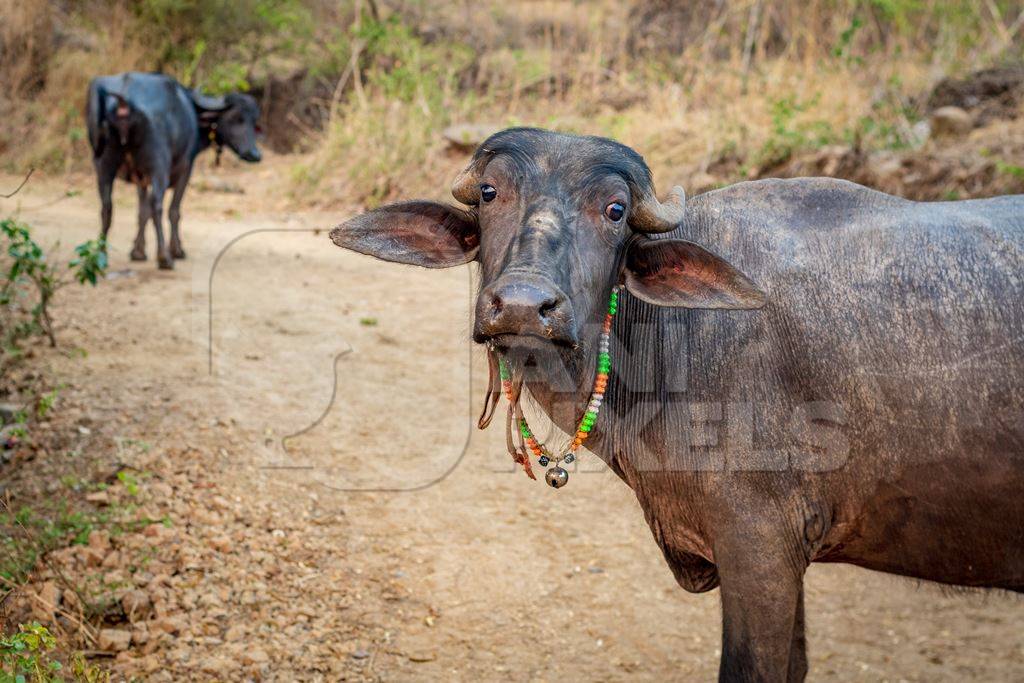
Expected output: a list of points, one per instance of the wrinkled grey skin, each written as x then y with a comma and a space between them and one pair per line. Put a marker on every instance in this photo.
882, 379
148, 129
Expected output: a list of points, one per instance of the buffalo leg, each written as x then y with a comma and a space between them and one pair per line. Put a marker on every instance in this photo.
139, 250
156, 207
762, 585
105, 173
174, 214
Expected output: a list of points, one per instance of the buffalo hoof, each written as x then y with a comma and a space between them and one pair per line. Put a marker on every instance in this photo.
138, 255
165, 262
178, 253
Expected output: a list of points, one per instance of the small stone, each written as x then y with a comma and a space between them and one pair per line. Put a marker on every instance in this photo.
114, 640
951, 122
234, 633
255, 656
172, 625
98, 497
98, 539
112, 560
71, 601
92, 557
136, 605
221, 544
360, 654
47, 601
149, 664
919, 134
140, 635
8, 411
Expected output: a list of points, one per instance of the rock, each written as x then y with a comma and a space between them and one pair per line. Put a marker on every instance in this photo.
221, 544
8, 411
467, 137
47, 601
919, 134
140, 635
113, 559
884, 166
234, 632
92, 557
170, 625
149, 664
993, 93
951, 122
114, 640
215, 665
100, 540
98, 497
136, 605
71, 601
255, 656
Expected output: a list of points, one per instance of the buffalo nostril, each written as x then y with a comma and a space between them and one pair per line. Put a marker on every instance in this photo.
547, 307
497, 304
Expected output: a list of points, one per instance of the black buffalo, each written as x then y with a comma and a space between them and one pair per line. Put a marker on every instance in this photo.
147, 129
847, 387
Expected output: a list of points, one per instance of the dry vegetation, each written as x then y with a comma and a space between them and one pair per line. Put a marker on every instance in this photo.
711, 91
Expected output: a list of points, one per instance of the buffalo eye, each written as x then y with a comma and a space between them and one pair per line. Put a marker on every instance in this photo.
488, 193
615, 211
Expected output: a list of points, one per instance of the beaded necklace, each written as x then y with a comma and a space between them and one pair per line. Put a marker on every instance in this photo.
557, 477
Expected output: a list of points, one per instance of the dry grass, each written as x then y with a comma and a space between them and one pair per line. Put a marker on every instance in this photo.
745, 83
48, 58
696, 87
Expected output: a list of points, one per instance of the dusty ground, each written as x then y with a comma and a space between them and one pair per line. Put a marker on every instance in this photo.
270, 569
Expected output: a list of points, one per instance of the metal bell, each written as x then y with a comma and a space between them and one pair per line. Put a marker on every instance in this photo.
556, 477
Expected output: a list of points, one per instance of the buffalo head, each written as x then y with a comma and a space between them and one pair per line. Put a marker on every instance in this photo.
231, 120
554, 221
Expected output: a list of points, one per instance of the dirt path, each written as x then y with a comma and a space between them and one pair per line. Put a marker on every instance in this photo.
272, 570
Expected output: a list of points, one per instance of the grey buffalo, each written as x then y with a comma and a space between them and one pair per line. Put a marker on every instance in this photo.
804, 370
148, 129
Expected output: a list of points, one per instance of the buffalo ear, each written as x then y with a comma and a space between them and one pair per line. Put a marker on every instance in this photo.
420, 233
668, 272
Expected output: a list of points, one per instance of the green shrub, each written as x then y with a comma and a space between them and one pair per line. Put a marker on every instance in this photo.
31, 281
25, 655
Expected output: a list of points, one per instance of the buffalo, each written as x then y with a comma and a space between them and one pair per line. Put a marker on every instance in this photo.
803, 370
147, 129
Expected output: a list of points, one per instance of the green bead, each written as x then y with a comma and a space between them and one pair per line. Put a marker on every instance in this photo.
584, 428
592, 414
